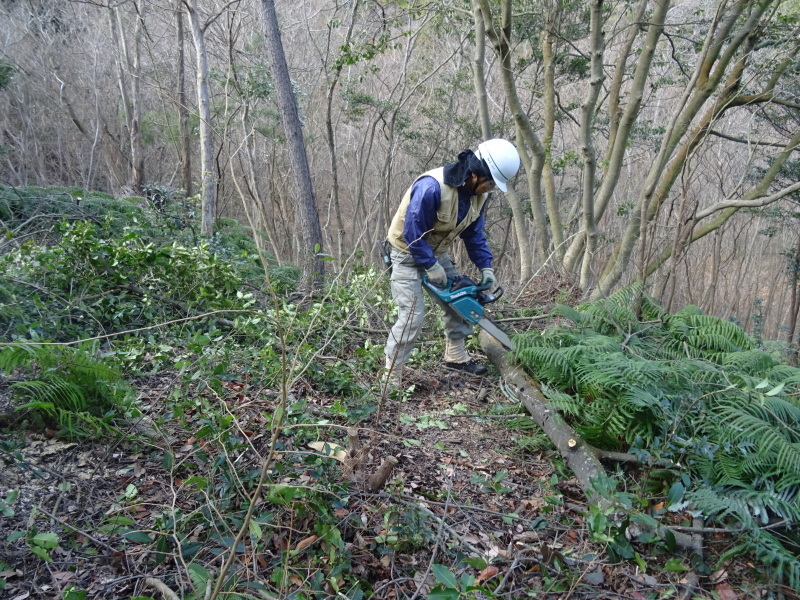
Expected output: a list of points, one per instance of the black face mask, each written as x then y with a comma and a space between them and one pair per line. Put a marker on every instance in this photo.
455, 174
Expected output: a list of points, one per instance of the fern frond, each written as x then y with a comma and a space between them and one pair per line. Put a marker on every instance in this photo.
562, 402
651, 310
690, 310
751, 362
68, 385
16, 355
625, 296
784, 373
771, 552
716, 330
788, 459
567, 312
547, 364
54, 391
715, 344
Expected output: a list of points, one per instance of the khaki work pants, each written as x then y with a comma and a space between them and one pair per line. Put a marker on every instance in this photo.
407, 294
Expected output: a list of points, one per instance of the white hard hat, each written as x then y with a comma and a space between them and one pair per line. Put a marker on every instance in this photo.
502, 158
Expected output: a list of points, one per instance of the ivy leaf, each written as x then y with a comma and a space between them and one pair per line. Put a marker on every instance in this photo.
439, 593
674, 565
445, 576
476, 562
138, 537
45, 540
41, 553
675, 493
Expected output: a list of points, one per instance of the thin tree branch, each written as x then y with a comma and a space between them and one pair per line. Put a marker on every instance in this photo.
754, 203
745, 141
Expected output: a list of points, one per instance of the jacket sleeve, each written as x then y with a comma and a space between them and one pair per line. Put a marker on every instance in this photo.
474, 238
426, 197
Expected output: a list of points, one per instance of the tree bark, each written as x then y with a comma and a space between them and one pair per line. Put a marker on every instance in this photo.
755, 198
586, 143
794, 305
209, 184
710, 69
577, 454
580, 457
331, 139
526, 136
553, 16
311, 234
137, 144
479, 73
128, 80
183, 110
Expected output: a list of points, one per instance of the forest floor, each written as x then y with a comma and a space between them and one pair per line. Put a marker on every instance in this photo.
475, 480
466, 484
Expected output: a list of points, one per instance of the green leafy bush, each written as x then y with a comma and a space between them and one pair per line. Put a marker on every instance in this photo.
82, 263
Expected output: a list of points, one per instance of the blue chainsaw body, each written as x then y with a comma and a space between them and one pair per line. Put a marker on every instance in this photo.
463, 300
466, 299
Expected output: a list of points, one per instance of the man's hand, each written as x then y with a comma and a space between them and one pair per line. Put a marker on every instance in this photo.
437, 276
487, 278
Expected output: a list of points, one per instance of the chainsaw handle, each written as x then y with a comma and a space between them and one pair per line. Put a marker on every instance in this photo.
483, 288
430, 284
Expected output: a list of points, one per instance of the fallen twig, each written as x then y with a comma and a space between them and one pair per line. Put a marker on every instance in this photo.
74, 529
435, 547
161, 587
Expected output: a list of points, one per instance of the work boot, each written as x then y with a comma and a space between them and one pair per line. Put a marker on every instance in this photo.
392, 377
456, 357
470, 367
455, 352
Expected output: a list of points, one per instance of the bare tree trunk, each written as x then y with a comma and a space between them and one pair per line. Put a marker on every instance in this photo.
251, 179
710, 296
183, 109
478, 71
209, 184
331, 138
587, 147
794, 305
710, 69
620, 133
755, 198
549, 101
479, 79
526, 136
137, 145
128, 78
683, 228
313, 270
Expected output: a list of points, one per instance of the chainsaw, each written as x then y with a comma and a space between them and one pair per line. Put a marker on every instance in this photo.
465, 299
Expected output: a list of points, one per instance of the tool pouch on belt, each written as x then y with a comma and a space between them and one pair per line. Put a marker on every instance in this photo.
385, 249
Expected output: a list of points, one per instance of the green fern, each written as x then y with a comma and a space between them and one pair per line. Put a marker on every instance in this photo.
67, 386
687, 387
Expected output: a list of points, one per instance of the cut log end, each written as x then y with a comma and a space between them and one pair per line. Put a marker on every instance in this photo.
378, 479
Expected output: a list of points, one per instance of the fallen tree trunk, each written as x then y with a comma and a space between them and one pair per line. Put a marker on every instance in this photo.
582, 458
578, 456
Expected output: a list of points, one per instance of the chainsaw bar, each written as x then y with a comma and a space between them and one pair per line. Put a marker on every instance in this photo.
497, 333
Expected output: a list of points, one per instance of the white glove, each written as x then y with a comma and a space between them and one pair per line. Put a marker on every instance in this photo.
437, 275
488, 278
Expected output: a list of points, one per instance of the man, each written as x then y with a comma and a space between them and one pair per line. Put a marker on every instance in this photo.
441, 205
